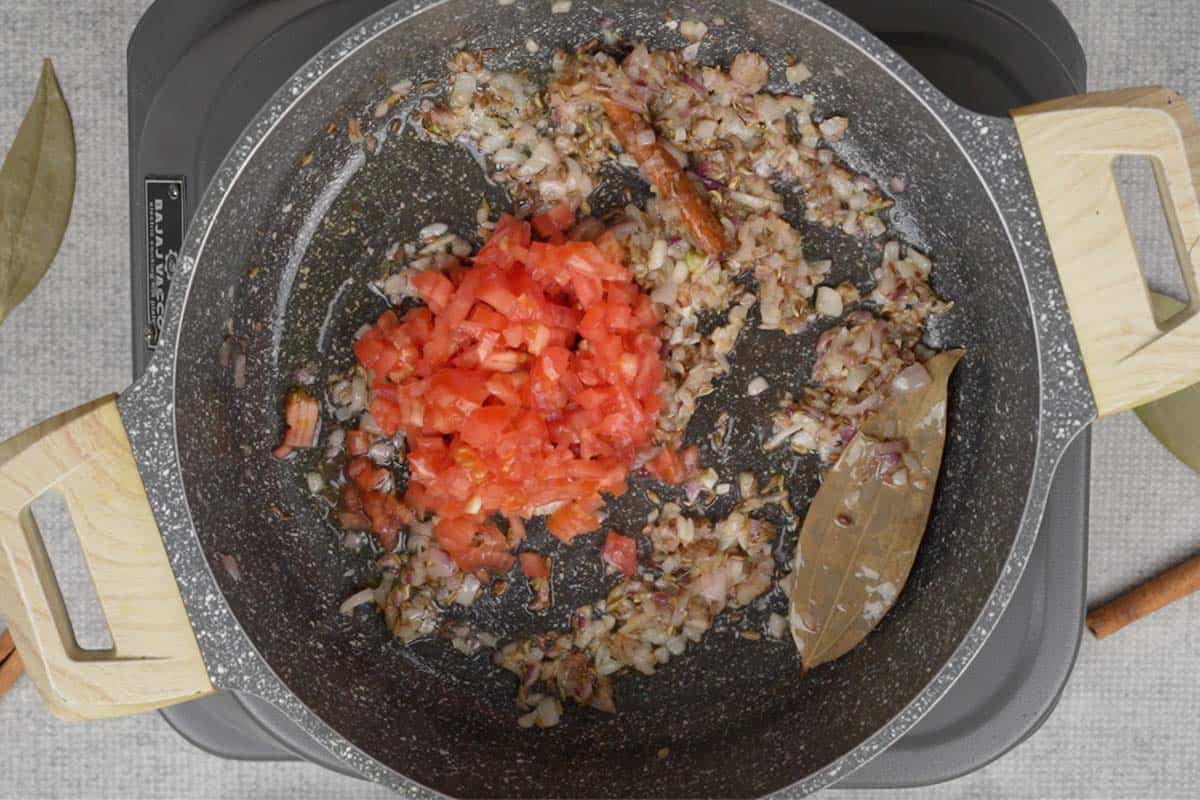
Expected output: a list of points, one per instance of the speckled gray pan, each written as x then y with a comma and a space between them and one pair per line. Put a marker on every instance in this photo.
282, 247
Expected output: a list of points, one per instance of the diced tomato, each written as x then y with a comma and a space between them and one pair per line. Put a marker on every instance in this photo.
556, 221
516, 531
534, 565
570, 521
507, 387
488, 318
365, 475
456, 534
354, 520
386, 514
350, 499
485, 425
672, 466
620, 553
528, 380
485, 559
358, 442
435, 289
506, 244
474, 544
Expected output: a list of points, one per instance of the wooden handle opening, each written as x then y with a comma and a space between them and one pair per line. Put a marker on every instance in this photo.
155, 661
1069, 146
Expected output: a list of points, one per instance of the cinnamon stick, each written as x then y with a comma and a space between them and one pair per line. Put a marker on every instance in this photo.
1177, 582
659, 167
11, 665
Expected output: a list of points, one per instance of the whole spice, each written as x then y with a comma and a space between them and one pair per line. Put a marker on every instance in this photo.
1175, 419
850, 568
11, 665
1165, 588
37, 187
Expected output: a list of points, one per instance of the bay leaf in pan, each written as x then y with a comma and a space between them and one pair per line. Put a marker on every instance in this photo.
37, 187
1175, 419
862, 531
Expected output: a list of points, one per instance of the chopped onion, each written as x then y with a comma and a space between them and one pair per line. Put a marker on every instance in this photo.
714, 585
506, 157
705, 129
797, 73
382, 452
333, 445
750, 70
665, 293
829, 302
549, 710
751, 201
433, 231
441, 565
361, 597
693, 30
658, 255
368, 424
231, 567
462, 92
468, 591
834, 128
381, 591
856, 377
757, 386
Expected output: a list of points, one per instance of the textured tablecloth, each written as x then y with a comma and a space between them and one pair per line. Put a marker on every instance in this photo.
1128, 724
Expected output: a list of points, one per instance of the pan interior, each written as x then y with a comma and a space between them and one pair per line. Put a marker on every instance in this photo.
286, 266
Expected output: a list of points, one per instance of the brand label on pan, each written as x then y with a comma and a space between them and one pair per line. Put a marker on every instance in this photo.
164, 238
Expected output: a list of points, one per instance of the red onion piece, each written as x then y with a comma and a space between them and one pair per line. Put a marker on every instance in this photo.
231, 567
441, 565
707, 182
714, 586
361, 597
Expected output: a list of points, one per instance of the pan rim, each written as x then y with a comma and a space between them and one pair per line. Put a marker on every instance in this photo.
148, 406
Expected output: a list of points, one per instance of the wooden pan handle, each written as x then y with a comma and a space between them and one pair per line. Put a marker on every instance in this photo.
1141, 601
1069, 147
85, 455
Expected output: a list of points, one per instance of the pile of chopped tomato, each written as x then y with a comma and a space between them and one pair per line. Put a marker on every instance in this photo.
525, 385
367, 501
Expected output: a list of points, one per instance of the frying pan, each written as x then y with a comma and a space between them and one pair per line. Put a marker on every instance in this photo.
171, 479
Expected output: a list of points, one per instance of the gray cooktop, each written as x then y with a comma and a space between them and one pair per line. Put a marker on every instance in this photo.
199, 71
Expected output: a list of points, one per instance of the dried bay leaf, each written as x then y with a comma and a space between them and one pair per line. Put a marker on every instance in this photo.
860, 535
37, 187
1175, 419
